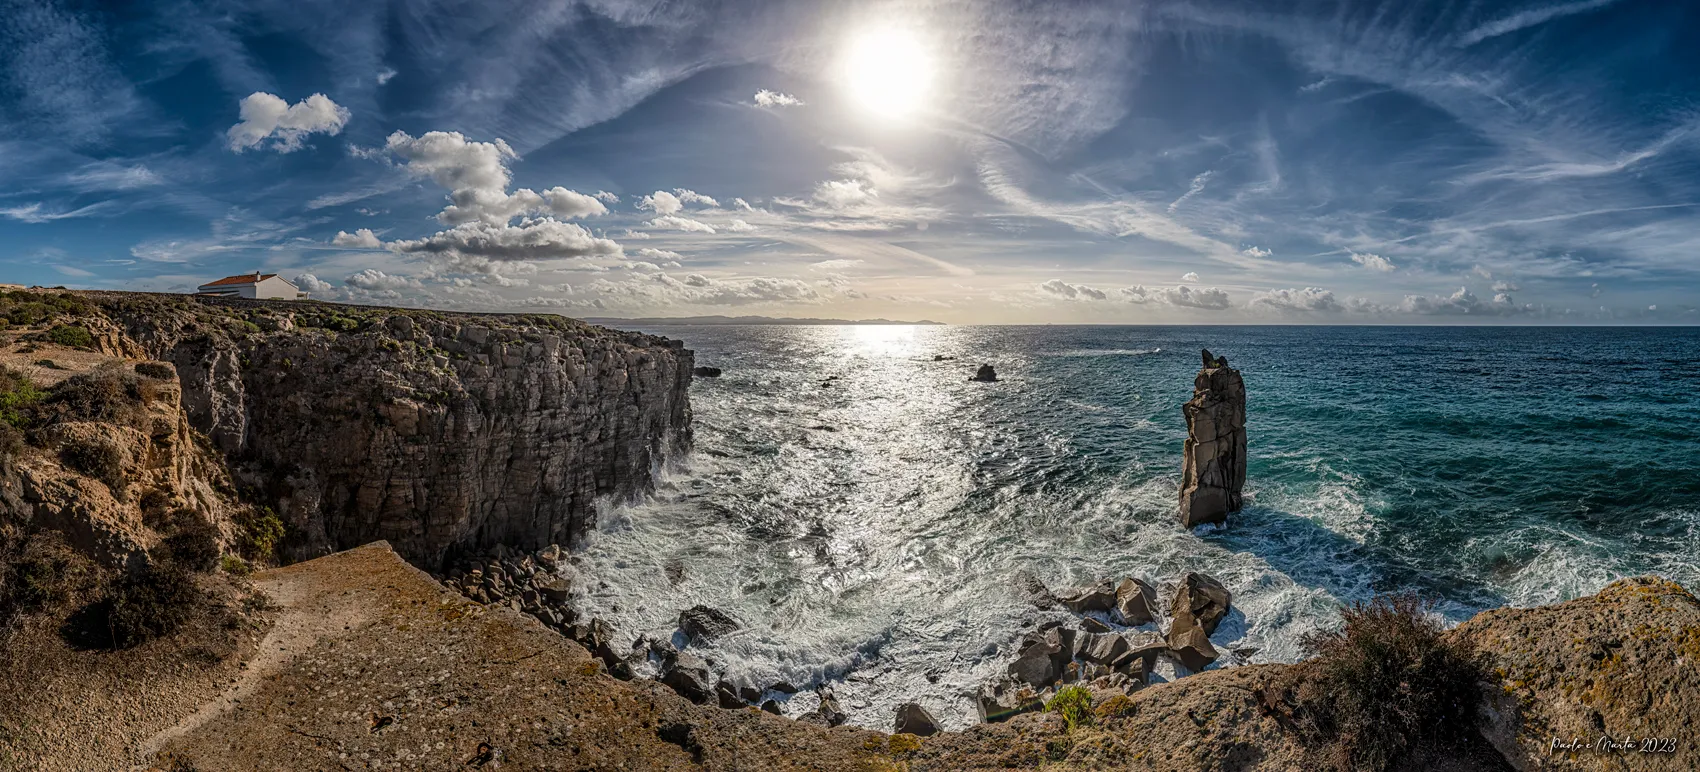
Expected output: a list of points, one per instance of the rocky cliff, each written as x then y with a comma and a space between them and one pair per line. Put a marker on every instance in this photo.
1213, 471
437, 432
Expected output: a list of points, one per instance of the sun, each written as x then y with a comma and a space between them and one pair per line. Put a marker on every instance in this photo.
887, 72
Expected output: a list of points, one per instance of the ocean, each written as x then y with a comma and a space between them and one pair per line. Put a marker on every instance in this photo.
862, 508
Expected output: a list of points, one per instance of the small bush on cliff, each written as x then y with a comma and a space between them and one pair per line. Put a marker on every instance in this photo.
194, 543
104, 395
1387, 685
18, 395
158, 371
38, 571
98, 459
71, 335
262, 529
1074, 703
137, 609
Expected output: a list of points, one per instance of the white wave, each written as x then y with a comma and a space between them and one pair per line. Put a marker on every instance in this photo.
1104, 352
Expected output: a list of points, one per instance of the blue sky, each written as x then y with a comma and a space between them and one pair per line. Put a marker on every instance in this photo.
1205, 161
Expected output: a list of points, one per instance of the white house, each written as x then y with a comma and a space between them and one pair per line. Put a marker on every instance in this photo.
253, 286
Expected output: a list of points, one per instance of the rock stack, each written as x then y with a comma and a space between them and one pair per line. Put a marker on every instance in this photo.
1214, 469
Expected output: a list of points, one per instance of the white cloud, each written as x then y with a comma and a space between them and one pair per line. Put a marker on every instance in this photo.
1373, 262
739, 226
1306, 299
1194, 189
651, 253
606, 197
681, 224
631, 234
843, 194
693, 197
661, 202
1504, 286
375, 280
742, 205
1256, 253
476, 176
1191, 276
766, 98
104, 177
1461, 303
362, 239
1063, 289
267, 116
312, 283
33, 213
840, 264
1183, 296
532, 239
384, 77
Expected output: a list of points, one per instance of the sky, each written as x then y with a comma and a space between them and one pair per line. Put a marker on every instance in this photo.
981, 161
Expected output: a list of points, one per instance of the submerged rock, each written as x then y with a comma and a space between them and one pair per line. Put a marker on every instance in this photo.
703, 371
1097, 597
1213, 469
828, 713
1035, 590
914, 719
986, 374
706, 623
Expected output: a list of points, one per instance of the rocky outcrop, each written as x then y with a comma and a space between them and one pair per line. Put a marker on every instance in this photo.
706, 624
1199, 605
1214, 468
441, 433
986, 374
914, 719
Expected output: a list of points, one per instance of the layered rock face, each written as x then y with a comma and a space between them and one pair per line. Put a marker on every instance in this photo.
1214, 469
440, 433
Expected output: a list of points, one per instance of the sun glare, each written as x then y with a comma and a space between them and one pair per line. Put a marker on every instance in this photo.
887, 72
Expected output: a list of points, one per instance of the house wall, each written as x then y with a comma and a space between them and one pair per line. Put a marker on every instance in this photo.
271, 289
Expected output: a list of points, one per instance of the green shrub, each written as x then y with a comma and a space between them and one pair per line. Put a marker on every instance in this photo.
42, 572
71, 335
17, 396
1387, 685
104, 396
194, 543
158, 371
262, 529
101, 460
139, 609
1074, 703
235, 566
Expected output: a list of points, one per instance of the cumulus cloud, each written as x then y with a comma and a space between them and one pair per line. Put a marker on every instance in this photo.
739, 226
312, 283
766, 98
1461, 303
1308, 299
476, 176
1373, 262
839, 264
269, 117
693, 197
742, 205
681, 224
375, 280
661, 202
1504, 286
696, 289
532, 239
1191, 276
843, 194
651, 253
1256, 253
1212, 299
361, 239
605, 197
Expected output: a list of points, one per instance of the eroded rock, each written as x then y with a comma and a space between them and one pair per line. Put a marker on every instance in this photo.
914, 719
1213, 470
1136, 602
706, 623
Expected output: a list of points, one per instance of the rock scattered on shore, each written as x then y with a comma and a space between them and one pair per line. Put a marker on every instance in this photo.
706, 623
914, 719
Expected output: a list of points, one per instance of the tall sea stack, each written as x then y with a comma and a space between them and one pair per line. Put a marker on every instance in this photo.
1214, 470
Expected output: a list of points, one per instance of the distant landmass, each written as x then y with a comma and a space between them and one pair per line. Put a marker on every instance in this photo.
661, 320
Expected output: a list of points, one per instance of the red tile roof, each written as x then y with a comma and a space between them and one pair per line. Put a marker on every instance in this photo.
251, 278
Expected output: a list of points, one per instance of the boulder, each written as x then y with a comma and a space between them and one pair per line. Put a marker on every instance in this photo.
689, 676
1199, 601
555, 590
1043, 657
771, 707
705, 623
1035, 590
1097, 597
829, 712
1136, 602
914, 719
986, 374
783, 687
703, 371
1092, 625
1005, 697
1192, 647
727, 695
1101, 648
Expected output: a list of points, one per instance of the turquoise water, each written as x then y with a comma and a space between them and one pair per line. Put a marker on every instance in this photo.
862, 508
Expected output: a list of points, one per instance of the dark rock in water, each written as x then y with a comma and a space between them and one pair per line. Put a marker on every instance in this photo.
1101, 648
689, 676
1214, 465
701, 371
1043, 661
727, 694
556, 590
674, 568
1209, 361
1136, 602
1004, 698
1098, 597
771, 707
783, 687
828, 713
1140, 656
1200, 601
914, 719
1246, 652
706, 623
984, 375
942, 358
1035, 590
